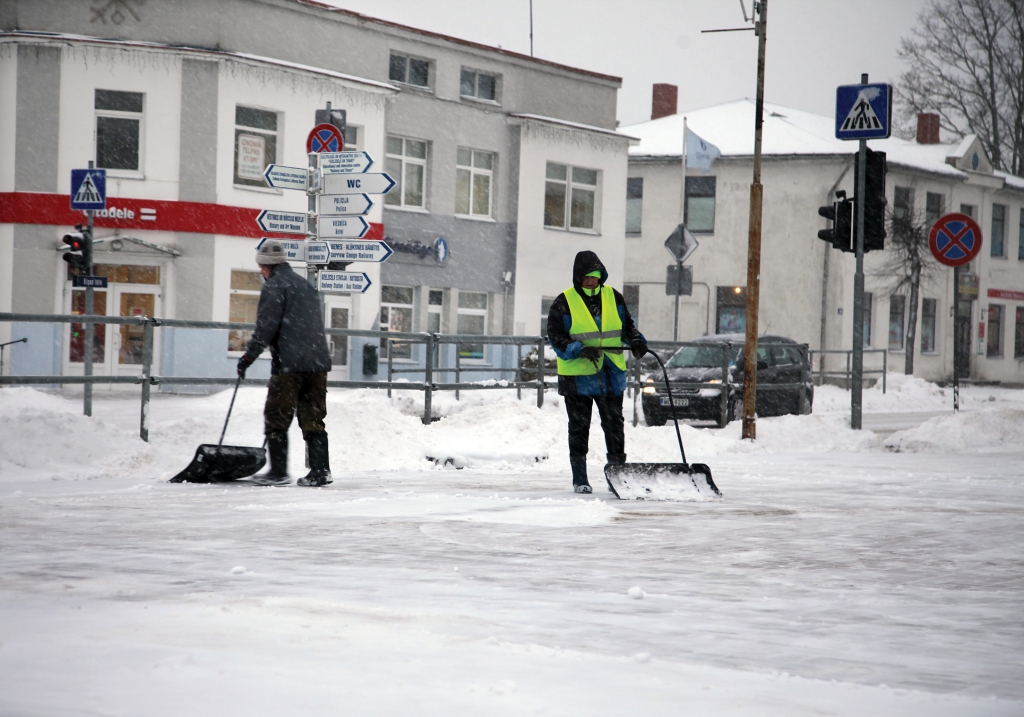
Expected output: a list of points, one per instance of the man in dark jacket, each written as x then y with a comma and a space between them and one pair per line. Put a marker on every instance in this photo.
588, 326
289, 320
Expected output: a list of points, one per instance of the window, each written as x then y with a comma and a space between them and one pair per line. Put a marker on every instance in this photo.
994, 338
897, 311
634, 204
929, 310
968, 209
903, 203
1018, 334
545, 310
700, 205
867, 318
409, 70
351, 135
1020, 237
406, 162
934, 207
631, 295
245, 297
473, 173
255, 144
339, 344
118, 130
569, 197
395, 315
472, 320
732, 310
478, 85
998, 235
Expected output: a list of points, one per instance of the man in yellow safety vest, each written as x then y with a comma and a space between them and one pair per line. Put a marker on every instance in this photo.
589, 327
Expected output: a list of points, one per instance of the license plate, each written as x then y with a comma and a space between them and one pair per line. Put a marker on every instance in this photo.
676, 402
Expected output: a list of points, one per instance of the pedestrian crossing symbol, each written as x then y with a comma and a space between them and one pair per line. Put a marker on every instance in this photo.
863, 111
88, 189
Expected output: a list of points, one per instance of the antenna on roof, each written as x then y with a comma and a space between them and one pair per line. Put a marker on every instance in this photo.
750, 19
531, 27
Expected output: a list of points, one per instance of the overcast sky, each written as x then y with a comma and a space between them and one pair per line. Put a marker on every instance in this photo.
813, 45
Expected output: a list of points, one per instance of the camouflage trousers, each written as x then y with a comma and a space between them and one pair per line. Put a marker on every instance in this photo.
303, 392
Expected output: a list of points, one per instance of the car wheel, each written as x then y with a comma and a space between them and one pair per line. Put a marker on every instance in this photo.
735, 409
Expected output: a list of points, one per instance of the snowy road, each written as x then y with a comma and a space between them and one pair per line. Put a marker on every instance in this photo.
839, 582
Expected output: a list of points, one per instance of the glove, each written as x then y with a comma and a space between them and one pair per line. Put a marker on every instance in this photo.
639, 348
244, 363
591, 353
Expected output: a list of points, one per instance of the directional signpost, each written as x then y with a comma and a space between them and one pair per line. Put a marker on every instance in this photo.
318, 252
282, 177
345, 282
345, 162
271, 220
344, 204
357, 184
342, 227
375, 251
863, 112
89, 193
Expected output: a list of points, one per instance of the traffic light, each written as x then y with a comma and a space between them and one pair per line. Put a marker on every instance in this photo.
875, 201
841, 215
79, 257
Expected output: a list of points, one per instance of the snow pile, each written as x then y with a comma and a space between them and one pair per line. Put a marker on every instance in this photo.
43, 436
903, 393
1001, 427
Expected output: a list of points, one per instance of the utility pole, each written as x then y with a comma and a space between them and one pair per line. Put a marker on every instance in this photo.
754, 238
856, 390
90, 307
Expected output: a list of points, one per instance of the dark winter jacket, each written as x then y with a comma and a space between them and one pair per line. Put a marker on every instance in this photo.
610, 380
290, 321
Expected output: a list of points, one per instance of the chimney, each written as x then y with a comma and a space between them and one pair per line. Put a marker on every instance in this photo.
663, 100
927, 128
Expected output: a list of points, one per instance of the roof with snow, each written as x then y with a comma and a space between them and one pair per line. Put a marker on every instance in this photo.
786, 132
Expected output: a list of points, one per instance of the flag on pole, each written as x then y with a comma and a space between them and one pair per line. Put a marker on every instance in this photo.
699, 153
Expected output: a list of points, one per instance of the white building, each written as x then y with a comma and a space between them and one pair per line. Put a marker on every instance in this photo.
806, 286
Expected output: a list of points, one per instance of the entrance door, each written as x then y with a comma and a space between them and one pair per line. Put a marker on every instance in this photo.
74, 359
338, 312
127, 347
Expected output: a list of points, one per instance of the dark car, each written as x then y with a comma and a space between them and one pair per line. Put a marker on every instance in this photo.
782, 367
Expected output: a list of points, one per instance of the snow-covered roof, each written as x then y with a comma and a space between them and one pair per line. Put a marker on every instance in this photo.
574, 125
71, 37
785, 132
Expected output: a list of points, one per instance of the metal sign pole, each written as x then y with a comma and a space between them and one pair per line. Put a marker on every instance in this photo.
311, 219
679, 286
90, 306
956, 339
856, 389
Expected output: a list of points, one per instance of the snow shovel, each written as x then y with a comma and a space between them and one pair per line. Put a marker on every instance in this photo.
661, 481
220, 463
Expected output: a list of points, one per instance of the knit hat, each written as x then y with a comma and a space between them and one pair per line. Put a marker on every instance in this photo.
270, 252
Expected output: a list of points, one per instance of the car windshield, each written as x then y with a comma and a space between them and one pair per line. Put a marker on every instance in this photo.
702, 357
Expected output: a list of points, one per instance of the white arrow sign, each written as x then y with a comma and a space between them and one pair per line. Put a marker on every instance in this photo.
317, 252
293, 250
271, 220
344, 204
344, 282
282, 177
357, 184
376, 251
344, 162
342, 227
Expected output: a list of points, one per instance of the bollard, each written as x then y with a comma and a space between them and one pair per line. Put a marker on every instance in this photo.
724, 419
540, 370
428, 378
803, 382
147, 371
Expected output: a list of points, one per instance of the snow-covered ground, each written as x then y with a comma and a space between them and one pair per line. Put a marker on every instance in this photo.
449, 570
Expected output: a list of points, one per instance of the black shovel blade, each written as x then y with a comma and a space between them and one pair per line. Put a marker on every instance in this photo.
218, 464
661, 481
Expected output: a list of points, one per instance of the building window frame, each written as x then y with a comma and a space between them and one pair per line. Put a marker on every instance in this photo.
254, 126
408, 70
404, 159
994, 331
469, 308
730, 305
545, 311
119, 108
571, 198
476, 85
1020, 236
396, 314
897, 321
474, 175
902, 202
634, 206
1018, 334
997, 237
699, 190
243, 300
934, 207
929, 326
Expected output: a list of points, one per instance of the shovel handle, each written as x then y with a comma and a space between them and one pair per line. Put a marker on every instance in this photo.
672, 405
221, 441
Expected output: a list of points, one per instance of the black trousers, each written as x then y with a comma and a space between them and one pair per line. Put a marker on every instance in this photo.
304, 393
580, 409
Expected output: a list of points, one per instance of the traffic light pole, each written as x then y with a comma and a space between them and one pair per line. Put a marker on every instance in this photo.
856, 390
90, 306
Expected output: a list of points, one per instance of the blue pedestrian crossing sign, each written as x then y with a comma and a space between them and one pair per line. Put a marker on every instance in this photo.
863, 111
88, 189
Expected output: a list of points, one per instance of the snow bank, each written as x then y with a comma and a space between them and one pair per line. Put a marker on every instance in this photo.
1001, 427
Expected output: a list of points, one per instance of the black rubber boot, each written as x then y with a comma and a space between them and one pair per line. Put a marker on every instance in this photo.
319, 461
616, 457
580, 484
277, 448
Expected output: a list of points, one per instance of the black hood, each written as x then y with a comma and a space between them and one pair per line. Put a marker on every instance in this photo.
586, 262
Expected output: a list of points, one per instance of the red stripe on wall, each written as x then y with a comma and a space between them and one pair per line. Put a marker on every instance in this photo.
154, 215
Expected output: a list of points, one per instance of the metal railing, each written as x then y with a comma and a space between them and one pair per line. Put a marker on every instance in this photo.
847, 374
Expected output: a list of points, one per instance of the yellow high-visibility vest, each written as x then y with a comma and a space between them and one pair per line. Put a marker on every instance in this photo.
584, 329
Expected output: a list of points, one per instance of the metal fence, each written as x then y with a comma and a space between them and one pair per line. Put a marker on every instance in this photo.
847, 374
